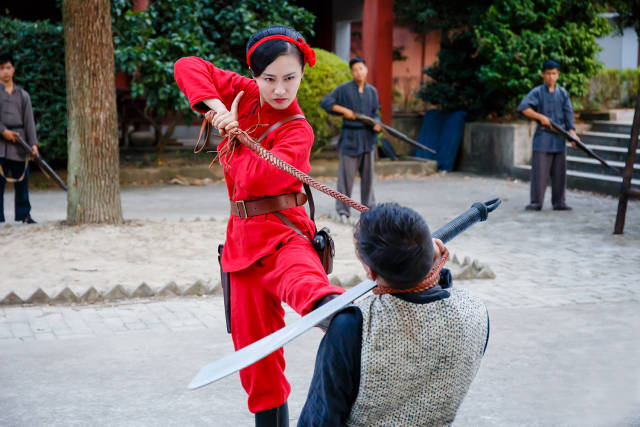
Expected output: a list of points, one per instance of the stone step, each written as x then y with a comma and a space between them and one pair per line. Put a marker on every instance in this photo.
607, 152
599, 183
612, 127
605, 138
587, 164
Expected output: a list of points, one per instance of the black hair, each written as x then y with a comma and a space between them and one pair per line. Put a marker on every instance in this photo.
355, 60
550, 64
268, 51
6, 57
396, 243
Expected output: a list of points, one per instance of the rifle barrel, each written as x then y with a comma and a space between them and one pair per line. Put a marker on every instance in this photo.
372, 122
562, 131
42, 163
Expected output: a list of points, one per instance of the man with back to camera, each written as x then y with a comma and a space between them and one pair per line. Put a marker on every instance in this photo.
16, 119
357, 140
545, 103
407, 354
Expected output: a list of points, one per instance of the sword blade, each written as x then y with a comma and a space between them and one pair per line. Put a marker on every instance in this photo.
258, 350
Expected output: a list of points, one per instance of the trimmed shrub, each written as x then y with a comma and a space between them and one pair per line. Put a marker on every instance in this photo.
610, 88
319, 80
38, 52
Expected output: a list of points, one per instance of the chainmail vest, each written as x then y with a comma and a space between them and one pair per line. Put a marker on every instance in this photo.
418, 360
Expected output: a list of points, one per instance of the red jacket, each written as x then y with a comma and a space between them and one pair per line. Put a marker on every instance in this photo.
252, 177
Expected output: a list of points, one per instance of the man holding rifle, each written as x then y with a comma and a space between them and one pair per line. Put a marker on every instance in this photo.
406, 355
357, 140
16, 120
546, 103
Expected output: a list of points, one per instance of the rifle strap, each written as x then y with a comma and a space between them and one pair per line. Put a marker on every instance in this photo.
14, 180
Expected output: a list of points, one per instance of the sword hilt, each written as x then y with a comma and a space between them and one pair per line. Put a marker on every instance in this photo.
477, 212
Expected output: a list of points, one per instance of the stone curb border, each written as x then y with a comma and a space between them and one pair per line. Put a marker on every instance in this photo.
119, 292
465, 269
116, 293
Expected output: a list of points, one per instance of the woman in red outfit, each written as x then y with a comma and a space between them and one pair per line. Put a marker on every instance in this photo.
268, 261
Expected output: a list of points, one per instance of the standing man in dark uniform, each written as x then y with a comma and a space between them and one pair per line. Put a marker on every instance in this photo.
357, 140
545, 103
16, 118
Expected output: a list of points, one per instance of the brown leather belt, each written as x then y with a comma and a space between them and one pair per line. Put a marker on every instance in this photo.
249, 208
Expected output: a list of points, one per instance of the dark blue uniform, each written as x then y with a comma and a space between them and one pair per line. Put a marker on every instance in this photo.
549, 148
357, 140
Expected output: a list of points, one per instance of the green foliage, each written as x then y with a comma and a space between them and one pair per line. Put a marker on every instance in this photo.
422, 16
516, 36
147, 43
492, 51
628, 14
610, 88
453, 83
38, 52
230, 27
319, 80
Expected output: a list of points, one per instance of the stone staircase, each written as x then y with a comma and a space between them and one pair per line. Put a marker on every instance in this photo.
611, 141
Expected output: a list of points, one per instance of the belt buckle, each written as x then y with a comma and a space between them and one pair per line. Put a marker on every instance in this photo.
242, 213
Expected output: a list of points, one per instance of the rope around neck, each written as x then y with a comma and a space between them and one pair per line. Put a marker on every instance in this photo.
427, 283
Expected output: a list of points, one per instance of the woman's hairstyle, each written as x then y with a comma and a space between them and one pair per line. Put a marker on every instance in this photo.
395, 243
269, 43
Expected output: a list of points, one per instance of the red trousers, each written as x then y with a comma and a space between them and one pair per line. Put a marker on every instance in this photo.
294, 275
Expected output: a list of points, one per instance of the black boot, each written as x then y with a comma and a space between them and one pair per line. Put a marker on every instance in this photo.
276, 417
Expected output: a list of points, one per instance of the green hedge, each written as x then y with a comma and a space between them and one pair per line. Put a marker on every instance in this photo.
319, 80
492, 50
38, 52
610, 88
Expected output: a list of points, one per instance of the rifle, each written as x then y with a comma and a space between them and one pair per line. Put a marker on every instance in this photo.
44, 166
579, 144
391, 131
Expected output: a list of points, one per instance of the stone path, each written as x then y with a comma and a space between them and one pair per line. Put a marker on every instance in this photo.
128, 364
564, 308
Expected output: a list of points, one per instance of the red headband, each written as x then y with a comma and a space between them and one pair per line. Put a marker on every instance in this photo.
307, 52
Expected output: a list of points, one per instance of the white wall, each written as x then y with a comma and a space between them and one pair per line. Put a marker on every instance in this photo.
619, 51
342, 39
344, 12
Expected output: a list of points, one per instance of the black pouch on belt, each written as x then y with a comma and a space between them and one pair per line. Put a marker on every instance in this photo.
225, 282
322, 241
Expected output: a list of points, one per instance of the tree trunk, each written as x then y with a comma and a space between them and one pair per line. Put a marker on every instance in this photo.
93, 180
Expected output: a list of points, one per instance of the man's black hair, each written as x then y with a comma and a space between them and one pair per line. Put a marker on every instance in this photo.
550, 64
6, 57
355, 60
270, 50
396, 243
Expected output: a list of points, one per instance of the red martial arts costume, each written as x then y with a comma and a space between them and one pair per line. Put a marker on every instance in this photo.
268, 261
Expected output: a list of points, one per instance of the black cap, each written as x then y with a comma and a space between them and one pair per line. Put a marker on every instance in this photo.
550, 64
355, 60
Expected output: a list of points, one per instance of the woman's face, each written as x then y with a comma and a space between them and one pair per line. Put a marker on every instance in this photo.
279, 82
